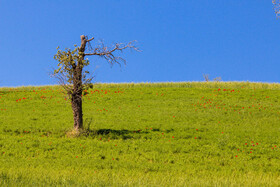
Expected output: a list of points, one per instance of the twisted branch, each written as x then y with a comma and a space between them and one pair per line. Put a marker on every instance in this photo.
107, 53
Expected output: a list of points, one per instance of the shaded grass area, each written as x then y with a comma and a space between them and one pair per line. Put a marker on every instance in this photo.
165, 134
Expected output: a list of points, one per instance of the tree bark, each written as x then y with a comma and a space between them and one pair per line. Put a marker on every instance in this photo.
76, 99
77, 111
76, 96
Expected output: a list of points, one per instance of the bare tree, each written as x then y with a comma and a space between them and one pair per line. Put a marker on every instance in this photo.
276, 4
206, 77
72, 76
217, 79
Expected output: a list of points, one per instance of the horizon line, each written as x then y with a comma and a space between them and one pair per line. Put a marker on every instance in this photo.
148, 83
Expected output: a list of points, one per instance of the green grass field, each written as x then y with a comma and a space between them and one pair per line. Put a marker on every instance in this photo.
160, 134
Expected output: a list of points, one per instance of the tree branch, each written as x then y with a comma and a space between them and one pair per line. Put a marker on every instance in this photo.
90, 39
107, 53
100, 51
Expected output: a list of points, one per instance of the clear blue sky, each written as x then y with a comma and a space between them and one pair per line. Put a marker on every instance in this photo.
181, 40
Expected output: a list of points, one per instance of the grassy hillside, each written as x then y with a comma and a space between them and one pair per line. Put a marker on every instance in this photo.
164, 134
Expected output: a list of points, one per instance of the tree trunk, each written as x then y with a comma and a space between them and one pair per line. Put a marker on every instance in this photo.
77, 111
76, 96
76, 99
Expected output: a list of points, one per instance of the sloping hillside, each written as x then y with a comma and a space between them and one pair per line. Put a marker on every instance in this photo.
157, 134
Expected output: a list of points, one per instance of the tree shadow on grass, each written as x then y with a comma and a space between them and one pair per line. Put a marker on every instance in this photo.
109, 133
113, 134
